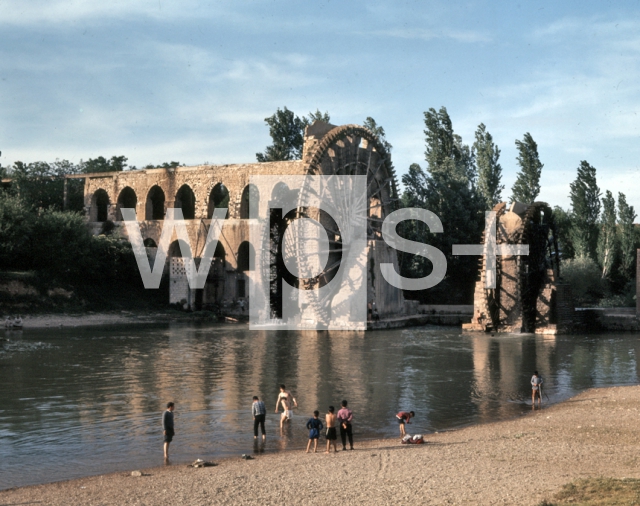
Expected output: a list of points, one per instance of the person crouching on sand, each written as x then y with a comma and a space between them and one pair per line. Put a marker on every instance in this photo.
167, 428
315, 426
404, 417
332, 435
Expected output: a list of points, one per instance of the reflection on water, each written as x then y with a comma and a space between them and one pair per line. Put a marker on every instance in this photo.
80, 402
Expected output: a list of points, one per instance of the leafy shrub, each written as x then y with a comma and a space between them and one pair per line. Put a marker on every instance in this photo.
585, 278
15, 230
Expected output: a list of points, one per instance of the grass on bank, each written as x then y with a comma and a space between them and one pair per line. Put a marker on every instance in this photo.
598, 492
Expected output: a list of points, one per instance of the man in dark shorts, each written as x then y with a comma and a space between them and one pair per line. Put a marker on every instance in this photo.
332, 434
403, 417
167, 428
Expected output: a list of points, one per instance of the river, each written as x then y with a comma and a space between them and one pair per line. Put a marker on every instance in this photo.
84, 401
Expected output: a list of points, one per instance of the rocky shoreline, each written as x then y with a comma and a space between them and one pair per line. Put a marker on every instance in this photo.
520, 461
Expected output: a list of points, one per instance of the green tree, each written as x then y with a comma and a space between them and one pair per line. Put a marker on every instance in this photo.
585, 211
16, 223
607, 239
447, 189
371, 124
527, 186
101, 164
41, 184
489, 170
562, 219
416, 183
287, 131
626, 229
165, 165
316, 116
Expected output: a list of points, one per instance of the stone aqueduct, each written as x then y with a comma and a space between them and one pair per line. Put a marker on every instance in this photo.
198, 190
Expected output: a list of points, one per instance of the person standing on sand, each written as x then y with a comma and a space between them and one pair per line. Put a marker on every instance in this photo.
332, 435
536, 389
286, 399
403, 417
167, 428
345, 417
315, 426
259, 412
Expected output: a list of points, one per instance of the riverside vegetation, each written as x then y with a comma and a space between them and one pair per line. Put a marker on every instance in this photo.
597, 236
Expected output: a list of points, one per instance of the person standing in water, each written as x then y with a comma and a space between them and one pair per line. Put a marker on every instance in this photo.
167, 428
287, 401
536, 389
259, 412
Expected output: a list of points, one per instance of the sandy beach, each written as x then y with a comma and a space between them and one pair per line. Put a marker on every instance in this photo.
520, 461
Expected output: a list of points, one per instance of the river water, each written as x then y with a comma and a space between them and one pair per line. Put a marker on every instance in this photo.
77, 402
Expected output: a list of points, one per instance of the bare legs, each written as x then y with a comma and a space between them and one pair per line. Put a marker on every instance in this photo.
315, 445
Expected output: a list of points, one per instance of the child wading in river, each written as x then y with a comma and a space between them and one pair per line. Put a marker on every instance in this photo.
315, 426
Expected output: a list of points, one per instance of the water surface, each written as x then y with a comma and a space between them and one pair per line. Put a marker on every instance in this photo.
77, 402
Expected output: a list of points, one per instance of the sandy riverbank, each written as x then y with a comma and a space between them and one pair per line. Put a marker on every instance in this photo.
521, 461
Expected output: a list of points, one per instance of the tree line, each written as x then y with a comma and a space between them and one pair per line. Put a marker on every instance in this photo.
459, 182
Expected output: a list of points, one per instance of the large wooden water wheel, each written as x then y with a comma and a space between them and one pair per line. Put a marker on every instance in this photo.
523, 297
348, 150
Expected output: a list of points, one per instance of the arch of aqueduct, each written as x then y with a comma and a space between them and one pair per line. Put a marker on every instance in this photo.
198, 190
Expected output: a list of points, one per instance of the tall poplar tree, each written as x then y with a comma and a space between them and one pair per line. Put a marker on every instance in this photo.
585, 211
448, 189
489, 170
627, 234
607, 239
371, 124
527, 186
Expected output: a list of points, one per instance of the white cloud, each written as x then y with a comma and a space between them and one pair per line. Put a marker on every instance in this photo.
429, 34
32, 12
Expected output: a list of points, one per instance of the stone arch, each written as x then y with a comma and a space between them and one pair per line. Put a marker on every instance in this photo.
149, 243
246, 257
186, 200
220, 252
126, 199
154, 208
218, 197
250, 195
280, 192
99, 210
174, 248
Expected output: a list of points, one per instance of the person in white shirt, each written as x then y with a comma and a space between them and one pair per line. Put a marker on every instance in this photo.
536, 389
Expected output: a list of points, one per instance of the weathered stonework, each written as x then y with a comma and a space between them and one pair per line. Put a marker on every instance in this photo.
528, 296
194, 189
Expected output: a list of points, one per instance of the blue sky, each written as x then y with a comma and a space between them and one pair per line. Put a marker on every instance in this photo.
193, 81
